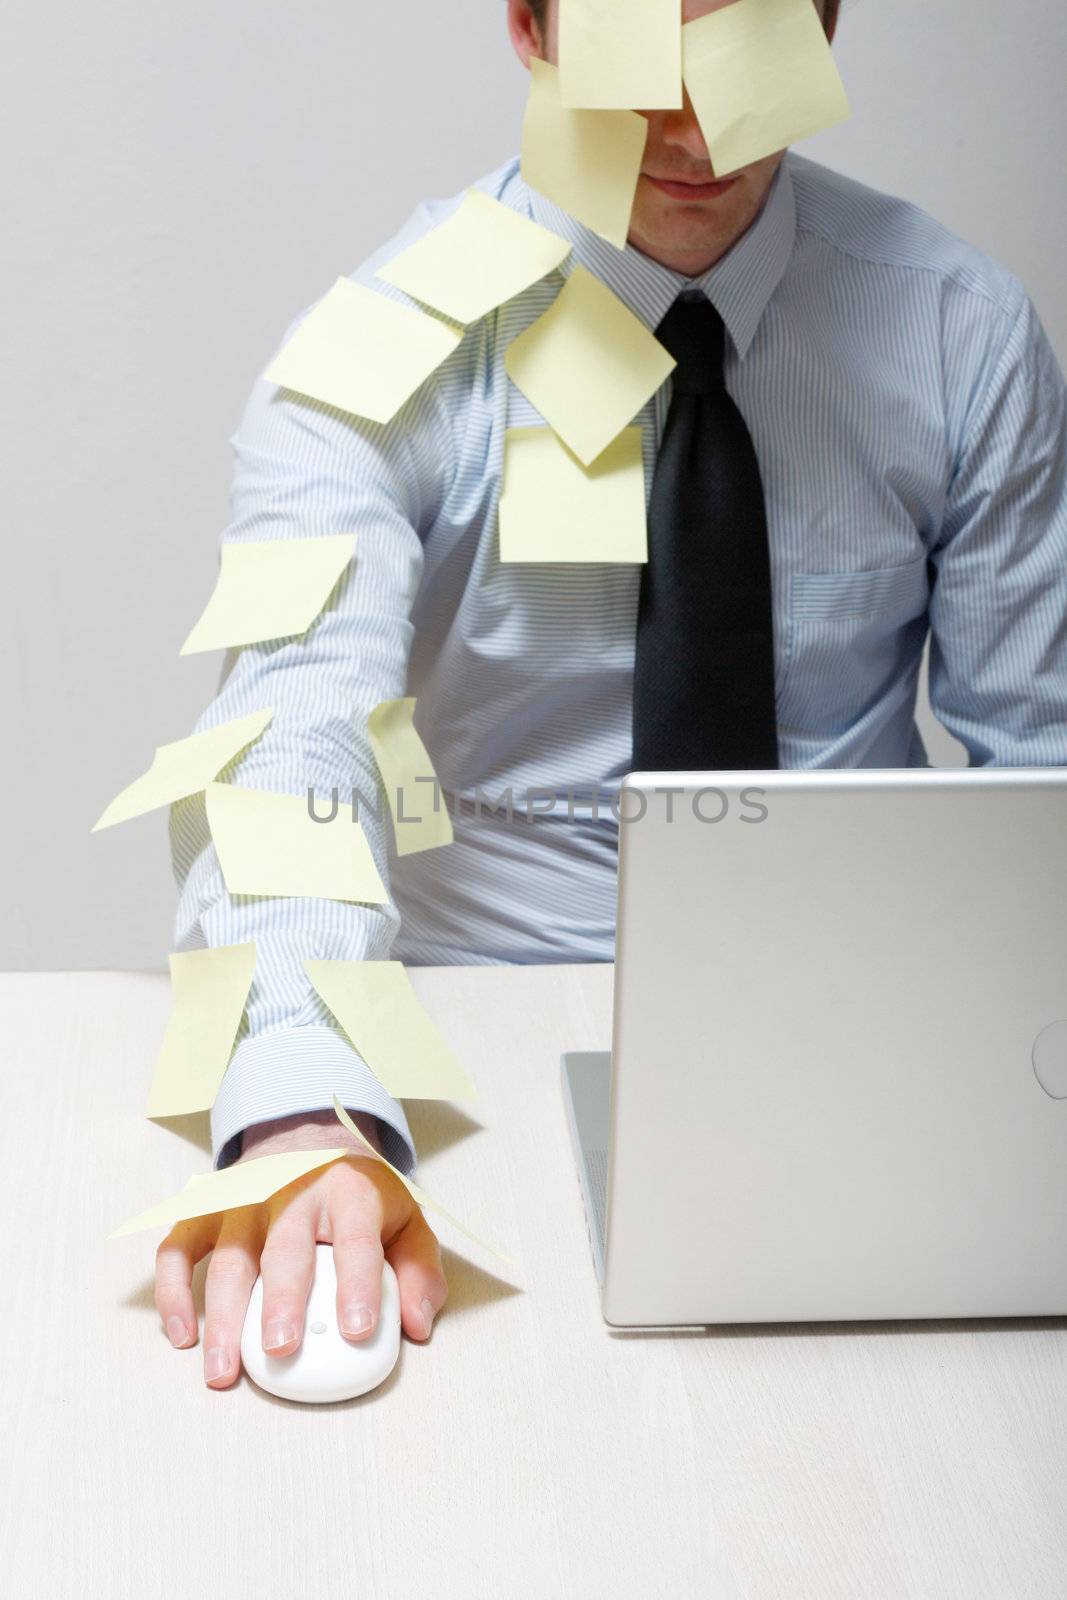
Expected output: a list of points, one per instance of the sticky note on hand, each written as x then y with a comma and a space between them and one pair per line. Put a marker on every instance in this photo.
210, 988
269, 589
554, 509
183, 768
588, 365
362, 352
268, 844
416, 805
246, 1183
621, 53
761, 75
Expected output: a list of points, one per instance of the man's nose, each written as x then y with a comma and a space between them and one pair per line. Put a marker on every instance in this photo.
680, 130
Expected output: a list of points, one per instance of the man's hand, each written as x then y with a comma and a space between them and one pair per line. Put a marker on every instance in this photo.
356, 1204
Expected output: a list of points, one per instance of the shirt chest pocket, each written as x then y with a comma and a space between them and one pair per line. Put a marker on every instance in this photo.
848, 638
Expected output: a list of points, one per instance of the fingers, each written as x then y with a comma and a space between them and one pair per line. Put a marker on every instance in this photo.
287, 1266
227, 1289
415, 1257
355, 1212
185, 1245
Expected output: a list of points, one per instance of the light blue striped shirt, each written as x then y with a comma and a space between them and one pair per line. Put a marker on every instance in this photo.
909, 419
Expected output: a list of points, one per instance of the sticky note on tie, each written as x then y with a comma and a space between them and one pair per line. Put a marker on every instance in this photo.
554, 509
363, 353
184, 767
586, 162
484, 254
268, 844
269, 589
210, 988
412, 790
626, 54
588, 365
761, 75
383, 1016
246, 1183
420, 1197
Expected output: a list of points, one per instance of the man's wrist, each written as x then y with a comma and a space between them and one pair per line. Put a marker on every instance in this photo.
309, 1130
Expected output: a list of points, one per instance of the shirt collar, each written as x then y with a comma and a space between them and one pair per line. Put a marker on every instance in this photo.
739, 285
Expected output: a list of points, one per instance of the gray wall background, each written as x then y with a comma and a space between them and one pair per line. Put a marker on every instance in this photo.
180, 182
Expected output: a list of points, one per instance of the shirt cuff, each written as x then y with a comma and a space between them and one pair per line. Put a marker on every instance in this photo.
301, 1069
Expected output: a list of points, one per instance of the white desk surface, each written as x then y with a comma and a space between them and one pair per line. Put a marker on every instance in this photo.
527, 1450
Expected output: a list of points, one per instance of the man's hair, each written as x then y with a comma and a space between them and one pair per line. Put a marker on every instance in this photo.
830, 10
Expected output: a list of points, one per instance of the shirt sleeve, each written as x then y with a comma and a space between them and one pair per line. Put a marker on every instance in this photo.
304, 469
998, 607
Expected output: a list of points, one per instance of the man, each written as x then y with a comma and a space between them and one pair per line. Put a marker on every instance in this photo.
896, 423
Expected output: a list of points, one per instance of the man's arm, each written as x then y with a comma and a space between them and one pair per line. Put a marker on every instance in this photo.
998, 609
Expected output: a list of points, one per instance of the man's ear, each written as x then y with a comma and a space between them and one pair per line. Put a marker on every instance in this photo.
525, 34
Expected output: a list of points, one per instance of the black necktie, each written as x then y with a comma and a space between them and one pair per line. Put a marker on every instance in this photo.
704, 663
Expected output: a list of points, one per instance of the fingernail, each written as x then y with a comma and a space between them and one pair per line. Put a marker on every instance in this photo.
356, 1317
216, 1362
426, 1307
279, 1333
177, 1332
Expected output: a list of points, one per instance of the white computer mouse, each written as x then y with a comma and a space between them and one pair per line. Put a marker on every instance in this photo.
325, 1366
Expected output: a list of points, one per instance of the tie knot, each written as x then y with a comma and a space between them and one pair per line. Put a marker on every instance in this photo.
694, 334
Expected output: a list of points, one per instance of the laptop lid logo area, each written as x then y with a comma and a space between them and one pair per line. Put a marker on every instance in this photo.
1050, 1059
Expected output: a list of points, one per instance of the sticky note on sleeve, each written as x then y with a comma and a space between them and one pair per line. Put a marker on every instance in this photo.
209, 988
362, 352
554, 509
269, 844
761, 75
184, 767
376, 1005
245, 1183
269, 589
621, 53
412, 790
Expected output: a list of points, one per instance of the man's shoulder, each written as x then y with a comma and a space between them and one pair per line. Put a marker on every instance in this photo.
503, 183
882, 229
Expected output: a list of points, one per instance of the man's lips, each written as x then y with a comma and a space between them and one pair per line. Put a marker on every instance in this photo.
679, 190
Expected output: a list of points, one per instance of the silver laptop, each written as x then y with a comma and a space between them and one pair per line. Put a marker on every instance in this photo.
837, 1087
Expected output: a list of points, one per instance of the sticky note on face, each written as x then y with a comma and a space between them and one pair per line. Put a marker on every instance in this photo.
621, 53
554, 509
246, 1183
268, 844
420, 1197
412, 790
269, 589
362, 353
383, 1016
210, 988
586, 162
588, 365
484, 254
761, 75
183, 768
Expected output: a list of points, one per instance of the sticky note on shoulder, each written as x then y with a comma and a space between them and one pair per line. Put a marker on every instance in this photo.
621, 53
588, 364
761, 75
412, 790
209, 988
484, 254
362, 352
586, 162
269, 844
269, 589
184, 767
377, 1007
554, 509
420, 1197
245, 1183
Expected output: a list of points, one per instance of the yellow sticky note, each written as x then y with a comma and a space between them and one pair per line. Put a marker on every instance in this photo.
419, 1196
761, 75
554, 509
363, 353
383, 1016
614, 54
245, 1183
183, 768
416, 804
484, 254
586, 162
269, 589
268, 844
588, 365
210, 988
